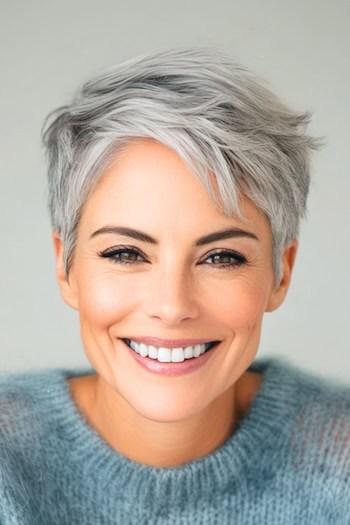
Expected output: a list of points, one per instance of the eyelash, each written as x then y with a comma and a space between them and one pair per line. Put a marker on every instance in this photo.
113, 253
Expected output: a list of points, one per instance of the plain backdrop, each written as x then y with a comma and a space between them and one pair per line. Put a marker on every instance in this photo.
49, 48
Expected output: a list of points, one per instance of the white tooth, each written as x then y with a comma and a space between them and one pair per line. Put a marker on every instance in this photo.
164, 355
188, 352
138, 347
197, 351
167, 355
152, 352
134, 346
177, 355
143, 350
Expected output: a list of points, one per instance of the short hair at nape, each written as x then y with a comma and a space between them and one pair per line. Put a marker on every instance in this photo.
217, 115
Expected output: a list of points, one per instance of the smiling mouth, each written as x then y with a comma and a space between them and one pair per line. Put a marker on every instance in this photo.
170, 355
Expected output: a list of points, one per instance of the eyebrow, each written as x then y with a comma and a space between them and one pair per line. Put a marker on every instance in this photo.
144, 237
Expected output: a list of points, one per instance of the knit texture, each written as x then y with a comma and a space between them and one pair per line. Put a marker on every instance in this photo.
288, 462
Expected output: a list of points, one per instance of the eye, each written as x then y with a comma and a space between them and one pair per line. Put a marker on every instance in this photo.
122, 255
226, 259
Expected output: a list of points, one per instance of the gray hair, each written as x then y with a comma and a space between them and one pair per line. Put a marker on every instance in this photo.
217, 115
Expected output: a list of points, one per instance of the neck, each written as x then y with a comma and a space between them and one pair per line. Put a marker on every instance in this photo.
162, 444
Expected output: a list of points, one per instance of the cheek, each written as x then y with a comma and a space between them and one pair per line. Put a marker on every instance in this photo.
104, 300
241, 307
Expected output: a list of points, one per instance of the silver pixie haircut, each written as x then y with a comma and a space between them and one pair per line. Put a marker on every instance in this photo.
217, 115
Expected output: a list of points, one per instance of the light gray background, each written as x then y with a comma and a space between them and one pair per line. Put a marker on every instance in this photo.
48, 48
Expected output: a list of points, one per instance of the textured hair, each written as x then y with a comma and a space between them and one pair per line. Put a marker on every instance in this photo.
217, 115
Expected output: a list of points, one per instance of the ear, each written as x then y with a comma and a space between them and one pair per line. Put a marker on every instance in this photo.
287, 261
66, 284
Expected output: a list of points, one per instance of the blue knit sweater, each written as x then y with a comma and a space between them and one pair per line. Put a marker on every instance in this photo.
288, 461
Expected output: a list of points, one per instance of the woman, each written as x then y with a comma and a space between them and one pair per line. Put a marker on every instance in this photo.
177, 183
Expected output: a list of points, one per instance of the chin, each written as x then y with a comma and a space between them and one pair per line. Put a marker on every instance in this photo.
164, 410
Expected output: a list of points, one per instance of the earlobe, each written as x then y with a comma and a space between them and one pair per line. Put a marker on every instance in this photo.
287, 262
67, 285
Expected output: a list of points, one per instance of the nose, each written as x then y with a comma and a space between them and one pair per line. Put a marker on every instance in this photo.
173, 296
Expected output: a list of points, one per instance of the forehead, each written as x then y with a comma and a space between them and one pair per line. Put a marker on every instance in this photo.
149, 180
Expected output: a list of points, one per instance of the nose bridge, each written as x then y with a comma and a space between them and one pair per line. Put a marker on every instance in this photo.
173, 295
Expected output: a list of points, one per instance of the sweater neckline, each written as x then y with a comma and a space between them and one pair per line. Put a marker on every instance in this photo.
265, 422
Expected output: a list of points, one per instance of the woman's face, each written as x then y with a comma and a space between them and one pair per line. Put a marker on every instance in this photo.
172, 288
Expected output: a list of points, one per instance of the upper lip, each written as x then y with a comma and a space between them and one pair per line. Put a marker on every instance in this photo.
170, 343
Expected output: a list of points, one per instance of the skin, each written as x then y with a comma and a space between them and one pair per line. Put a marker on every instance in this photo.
176, 291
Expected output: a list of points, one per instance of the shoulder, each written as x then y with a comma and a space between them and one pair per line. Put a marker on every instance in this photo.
315, 461
36, 411
17, 395
320, 410
35, 406
324, 399
22, 427
25, 417
20, 395
324, 403
29, 400
33, 435
309, 386
319, 444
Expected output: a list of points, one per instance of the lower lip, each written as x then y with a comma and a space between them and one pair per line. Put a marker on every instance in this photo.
172, 369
